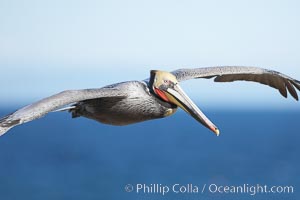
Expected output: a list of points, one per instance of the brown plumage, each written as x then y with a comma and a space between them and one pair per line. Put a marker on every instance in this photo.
137, 101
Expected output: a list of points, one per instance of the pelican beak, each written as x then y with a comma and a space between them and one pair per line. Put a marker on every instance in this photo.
177, 96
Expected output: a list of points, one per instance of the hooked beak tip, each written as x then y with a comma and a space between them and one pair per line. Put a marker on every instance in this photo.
216, 131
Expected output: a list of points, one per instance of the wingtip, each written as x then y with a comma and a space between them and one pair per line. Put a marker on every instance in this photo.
3, 130
7, 123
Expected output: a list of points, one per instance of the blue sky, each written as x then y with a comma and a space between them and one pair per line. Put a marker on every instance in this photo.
50, 46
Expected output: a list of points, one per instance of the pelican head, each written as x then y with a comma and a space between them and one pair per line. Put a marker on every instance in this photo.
165, 86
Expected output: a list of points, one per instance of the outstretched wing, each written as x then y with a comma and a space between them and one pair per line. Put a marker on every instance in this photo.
44, 106
272, 78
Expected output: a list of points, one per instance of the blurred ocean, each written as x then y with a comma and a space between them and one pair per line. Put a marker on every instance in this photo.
57, 157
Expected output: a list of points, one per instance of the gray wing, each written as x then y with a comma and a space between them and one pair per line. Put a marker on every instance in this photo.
272, 78
44, 106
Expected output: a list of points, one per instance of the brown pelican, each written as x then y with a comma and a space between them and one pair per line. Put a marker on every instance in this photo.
136, 101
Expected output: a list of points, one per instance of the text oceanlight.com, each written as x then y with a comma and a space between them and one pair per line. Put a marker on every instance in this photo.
163, 189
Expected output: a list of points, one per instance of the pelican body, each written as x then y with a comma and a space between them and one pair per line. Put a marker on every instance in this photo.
139, 105
136, 101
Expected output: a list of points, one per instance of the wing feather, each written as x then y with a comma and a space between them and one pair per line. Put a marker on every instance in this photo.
44, 106
291, 89
277, 80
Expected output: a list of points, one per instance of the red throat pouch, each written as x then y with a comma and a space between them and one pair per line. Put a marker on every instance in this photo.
161, 94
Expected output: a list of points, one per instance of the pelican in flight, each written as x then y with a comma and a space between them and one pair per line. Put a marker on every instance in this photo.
136, 101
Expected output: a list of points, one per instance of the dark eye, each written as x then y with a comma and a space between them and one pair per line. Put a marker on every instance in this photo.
166, 81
